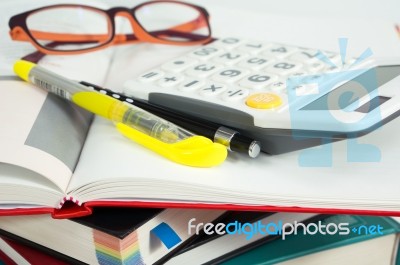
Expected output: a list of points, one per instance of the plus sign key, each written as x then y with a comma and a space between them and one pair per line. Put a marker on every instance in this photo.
170, 80
264, 101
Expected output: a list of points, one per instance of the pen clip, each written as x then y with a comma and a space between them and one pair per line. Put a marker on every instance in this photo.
196, 151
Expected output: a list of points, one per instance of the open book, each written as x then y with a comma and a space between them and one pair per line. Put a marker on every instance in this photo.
52, 153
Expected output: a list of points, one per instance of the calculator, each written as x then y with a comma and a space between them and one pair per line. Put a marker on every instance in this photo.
287, 97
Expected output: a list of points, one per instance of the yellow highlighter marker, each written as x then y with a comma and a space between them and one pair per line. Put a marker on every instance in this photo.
157, 134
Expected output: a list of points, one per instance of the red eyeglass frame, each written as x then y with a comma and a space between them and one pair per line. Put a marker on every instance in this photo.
19, 30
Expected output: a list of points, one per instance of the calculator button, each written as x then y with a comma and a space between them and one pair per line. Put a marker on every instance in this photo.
264, 101
299, 73
283, 67
257, 80
331, 69
189, 85
348, 63
255, 62
316, 67
253, 47
179, 64
205, 52
306, 89
227, 43
333, 57
278, 86
150, 76
212, 89
229, 57
229, 75
202, 70
170, 80
235, 94
279, 51
304, 56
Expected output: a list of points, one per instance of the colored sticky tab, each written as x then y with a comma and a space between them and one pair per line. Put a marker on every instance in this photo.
166, 234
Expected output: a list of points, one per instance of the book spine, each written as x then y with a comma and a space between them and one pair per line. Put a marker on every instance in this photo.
68, 199
84, 208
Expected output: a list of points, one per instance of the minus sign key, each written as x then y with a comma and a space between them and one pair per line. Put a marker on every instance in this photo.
189, 85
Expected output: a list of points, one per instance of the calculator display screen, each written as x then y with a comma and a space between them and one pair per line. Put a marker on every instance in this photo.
383, 75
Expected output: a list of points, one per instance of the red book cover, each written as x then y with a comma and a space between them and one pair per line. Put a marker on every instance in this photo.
5, 260
71, 210
33, 256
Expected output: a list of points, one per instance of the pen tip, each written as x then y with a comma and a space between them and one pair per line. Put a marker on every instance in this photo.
22, 69
254, 149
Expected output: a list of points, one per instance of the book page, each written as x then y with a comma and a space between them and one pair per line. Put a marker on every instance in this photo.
40, 131
123, 170
113, 167
36, 190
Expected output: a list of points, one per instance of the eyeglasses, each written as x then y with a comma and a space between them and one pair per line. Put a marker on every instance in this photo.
73, 29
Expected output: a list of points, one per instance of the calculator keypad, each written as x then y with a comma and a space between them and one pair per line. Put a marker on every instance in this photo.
240, 73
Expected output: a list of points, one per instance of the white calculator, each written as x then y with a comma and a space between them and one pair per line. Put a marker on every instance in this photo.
287, 97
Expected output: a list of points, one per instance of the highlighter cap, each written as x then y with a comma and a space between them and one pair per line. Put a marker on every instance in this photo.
22, 68
196, 151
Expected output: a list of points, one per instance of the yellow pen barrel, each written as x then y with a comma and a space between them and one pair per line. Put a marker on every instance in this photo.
147, 123
132, 116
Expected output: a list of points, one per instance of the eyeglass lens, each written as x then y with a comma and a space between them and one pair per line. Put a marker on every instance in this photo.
84, 27
80, 27
172, 21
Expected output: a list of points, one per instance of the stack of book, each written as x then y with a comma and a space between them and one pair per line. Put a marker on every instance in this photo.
129, 236
74, 191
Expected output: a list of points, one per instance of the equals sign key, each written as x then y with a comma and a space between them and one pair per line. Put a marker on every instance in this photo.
150, 76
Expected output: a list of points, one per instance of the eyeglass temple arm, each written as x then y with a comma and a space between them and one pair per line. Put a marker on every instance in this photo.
18, 34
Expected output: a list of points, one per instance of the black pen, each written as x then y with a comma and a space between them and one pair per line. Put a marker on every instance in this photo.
232, 139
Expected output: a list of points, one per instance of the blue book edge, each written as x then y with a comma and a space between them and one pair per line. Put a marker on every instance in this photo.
295, 246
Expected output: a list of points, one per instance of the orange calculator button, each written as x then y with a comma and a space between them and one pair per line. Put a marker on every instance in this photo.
264, 101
